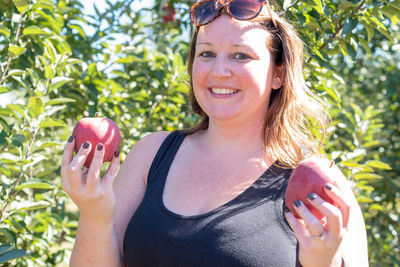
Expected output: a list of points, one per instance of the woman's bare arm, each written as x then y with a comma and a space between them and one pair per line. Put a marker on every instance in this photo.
106, 206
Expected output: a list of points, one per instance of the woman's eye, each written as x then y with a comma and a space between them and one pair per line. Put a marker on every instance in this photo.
206, 54
240, 56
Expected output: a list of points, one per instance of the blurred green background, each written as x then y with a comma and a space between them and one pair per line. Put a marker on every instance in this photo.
61, 60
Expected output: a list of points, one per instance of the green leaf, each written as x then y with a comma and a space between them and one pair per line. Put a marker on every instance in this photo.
44, 5
4, 170
15, 51
18, 141
121, 74
18, 109
319, 6
50, 50
12, 254
128, 59
378, 165
350, 163
57, 82
23, 206
10, 235
352, 52
343, 48
22, 5
349, 25
33, 30
3, 136
376, 207
16, 72
365, 44
44, 144
57, 101
362, 199
48, 71
390, 12
366, 175
5, 31
49, 122
370, 32
35, 106
344, 4
288, 3
4, 89
79, 29
20, 226
36, 184
4, 248
371, 143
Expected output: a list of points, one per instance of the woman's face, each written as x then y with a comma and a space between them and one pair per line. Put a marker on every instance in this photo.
233, 71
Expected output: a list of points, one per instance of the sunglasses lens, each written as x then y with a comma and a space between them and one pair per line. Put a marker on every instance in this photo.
204, 12
246, 9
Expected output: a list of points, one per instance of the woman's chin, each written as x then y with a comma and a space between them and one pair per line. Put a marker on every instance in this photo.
223, 115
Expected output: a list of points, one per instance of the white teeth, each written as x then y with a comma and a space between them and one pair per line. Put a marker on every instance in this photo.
223, 91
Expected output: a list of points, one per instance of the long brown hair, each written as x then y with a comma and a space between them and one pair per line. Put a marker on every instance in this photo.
293, 109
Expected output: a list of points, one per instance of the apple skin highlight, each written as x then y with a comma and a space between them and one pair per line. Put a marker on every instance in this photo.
97, 130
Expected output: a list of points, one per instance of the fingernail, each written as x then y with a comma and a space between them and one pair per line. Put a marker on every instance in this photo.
328, 186
70, 139
312, 196
116, 154
99, 147
297, 203
85, 145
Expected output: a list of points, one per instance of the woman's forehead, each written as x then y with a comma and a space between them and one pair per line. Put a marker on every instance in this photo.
228, 27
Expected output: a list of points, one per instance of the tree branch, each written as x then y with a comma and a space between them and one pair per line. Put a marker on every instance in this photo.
342, 25
12, 191
3, 76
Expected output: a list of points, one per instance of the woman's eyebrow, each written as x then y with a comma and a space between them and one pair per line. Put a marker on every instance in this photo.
240, 45
204, 43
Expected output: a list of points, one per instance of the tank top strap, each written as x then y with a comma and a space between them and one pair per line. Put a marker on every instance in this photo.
165, 155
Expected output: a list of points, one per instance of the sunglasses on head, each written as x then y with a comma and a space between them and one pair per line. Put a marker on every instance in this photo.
206, 11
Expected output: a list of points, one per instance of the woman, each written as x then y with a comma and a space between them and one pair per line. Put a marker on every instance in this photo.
214, 195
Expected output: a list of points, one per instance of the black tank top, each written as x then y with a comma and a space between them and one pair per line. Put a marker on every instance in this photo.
249, 230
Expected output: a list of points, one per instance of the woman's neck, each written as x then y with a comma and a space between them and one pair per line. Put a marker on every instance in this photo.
234, 137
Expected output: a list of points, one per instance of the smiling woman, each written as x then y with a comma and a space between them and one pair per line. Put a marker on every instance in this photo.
232, 73
213, 195
289, 103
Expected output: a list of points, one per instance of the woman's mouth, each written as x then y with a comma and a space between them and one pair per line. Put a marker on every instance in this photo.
223, 91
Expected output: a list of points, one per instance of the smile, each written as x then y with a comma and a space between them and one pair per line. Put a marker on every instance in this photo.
224, 91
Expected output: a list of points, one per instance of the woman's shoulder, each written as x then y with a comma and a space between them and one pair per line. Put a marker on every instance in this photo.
143, 152
147, 146
151, 140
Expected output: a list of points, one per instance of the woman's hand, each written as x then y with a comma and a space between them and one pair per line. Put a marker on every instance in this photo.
320, 241
93, 195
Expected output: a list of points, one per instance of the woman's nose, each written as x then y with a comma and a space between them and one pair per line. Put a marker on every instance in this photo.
221, 69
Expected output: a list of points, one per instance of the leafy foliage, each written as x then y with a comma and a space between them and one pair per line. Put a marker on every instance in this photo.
59, 64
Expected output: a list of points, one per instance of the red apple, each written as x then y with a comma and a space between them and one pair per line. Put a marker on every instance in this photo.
169, 13
310, 175
97, 130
